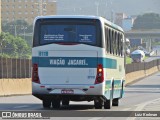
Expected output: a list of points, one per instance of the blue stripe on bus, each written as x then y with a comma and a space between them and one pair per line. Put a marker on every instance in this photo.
79, 62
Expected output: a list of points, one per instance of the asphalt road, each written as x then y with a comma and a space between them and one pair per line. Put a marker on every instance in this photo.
141, 96
155, 56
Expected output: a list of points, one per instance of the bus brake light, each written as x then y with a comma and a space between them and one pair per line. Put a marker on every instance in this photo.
35, 77
100, 74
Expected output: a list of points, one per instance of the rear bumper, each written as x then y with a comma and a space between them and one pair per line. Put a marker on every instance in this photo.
51, 97
40, 89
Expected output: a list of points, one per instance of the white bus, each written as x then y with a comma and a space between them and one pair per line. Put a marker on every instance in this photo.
77, 58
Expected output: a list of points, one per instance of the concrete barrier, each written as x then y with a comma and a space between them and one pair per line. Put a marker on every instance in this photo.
15, 86
151, 70
130, 77
133, 76
1, 89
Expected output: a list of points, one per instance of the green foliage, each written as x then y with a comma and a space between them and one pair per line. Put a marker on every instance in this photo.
17, 27
156, 43
17, 46
13, 47
147, 21
128, 60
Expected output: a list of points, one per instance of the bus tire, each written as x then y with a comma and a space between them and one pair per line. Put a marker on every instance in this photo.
46, 104
56, 103
115, 102
65, 102
98, 104
108, 104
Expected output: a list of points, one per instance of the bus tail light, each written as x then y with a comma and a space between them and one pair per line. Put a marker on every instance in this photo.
35, 77
100, 74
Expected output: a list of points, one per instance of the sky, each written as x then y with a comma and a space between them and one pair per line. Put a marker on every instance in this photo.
107, 8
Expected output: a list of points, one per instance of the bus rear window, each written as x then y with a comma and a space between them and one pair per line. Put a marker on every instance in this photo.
68, 34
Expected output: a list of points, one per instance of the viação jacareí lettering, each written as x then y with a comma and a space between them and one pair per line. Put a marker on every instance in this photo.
69, 62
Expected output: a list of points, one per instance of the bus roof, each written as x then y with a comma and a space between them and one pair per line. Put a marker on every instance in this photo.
82, 16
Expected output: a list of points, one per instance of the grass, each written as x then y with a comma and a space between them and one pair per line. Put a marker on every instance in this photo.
129, 60
155, 43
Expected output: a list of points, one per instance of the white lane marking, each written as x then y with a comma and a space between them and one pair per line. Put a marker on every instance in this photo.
23, 106
141, 107
96, 118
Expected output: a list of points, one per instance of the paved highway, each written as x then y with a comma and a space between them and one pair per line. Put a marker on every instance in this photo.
141, 96
155, 56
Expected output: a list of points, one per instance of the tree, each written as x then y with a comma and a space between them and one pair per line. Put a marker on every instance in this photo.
19, 28
14, 47
147, 21
2, 41
16, 27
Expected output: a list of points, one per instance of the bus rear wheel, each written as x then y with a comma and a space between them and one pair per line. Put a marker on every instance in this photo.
98, 104
115, 102
65, 102
108, 104
56, 103
46, 104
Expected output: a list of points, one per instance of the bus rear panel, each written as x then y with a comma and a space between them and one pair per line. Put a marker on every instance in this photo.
67, 61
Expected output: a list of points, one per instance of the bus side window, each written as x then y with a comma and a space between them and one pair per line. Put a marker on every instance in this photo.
106, 39
109, 41
121, 44
113, 42
118, 44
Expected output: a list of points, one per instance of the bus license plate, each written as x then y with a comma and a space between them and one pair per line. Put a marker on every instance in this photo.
67, 91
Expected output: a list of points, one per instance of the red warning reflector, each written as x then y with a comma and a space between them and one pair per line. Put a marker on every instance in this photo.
91, 86
42, 86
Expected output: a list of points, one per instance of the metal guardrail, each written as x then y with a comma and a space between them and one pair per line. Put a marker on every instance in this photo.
15, 68
142, 66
